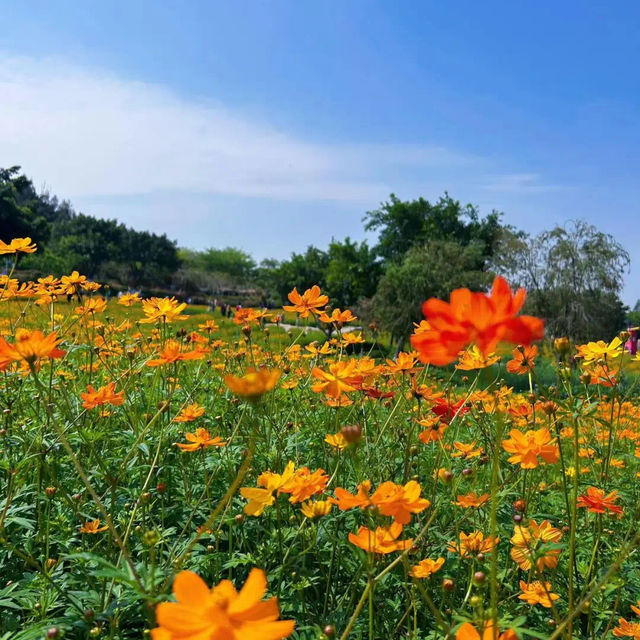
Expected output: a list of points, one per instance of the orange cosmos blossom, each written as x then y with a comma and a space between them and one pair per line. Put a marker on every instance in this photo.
472, 544
311, 301
426, 568
72, 283
93, 527
346, 500
304, 484
537, 593
220, 613
129, 299
17, 245
383, 540
528, 447
468, 632
474, 318
262, 496
317, 509
595, 501
471, 500
528, 545
104, 395
201, 439
399, 501
29, 348
173, 352
337, 317
523, 359
627, 629
255, 382
341, 378
190, 413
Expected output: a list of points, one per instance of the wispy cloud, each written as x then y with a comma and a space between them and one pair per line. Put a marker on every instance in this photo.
89, 133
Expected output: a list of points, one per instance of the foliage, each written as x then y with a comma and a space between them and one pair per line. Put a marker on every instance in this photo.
405, 224
431, 270
573, 275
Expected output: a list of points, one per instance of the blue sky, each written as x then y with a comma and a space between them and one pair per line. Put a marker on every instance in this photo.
273, 125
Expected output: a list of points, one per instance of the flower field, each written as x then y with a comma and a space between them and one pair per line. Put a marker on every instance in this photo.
168, 473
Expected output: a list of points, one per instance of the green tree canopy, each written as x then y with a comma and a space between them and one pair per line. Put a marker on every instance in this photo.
430, 270
406, 224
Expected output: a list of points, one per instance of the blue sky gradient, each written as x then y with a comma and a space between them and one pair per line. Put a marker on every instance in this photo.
273, 125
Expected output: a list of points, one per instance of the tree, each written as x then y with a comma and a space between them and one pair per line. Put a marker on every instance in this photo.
302, 271
573, 276
229, 261
431, 270
352, 272
403, 225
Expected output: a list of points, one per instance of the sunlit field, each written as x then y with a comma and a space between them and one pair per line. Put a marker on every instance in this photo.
169, 473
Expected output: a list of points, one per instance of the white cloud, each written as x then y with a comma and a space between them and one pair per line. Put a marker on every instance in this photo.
89, 133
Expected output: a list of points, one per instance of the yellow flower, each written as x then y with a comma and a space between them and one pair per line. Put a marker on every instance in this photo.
254, 383
336, 440
473, 358
166, 309
17, 245
316, 509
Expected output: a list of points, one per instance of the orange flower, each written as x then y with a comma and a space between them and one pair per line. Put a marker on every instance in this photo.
164, 309
346, 500
597, 502
201, 439
529, 545
104, 395
304, 484
523, 359
262, 496
92, 305
93, 527
340, 378
255, 382
627, 629
537, 593
404, 363
399, 501
472, 544
383, 540
129, 299
173, 352
426, 568
471, 500
474, 318
337, 317
528, 447
311, 301
468, 632
72, 283
220, 613
434, 431
29, 348
466, 450
473, 359
17, 245
336, 440
190, 413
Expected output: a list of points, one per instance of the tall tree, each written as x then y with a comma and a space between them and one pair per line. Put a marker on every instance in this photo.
405, 224
573, 276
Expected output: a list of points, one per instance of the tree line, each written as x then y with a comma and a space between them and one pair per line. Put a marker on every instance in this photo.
573, 274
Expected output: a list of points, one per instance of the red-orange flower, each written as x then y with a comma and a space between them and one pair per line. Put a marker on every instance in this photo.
523, 360
596, 501
221, 613
173, 352
104, 395
474, 318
